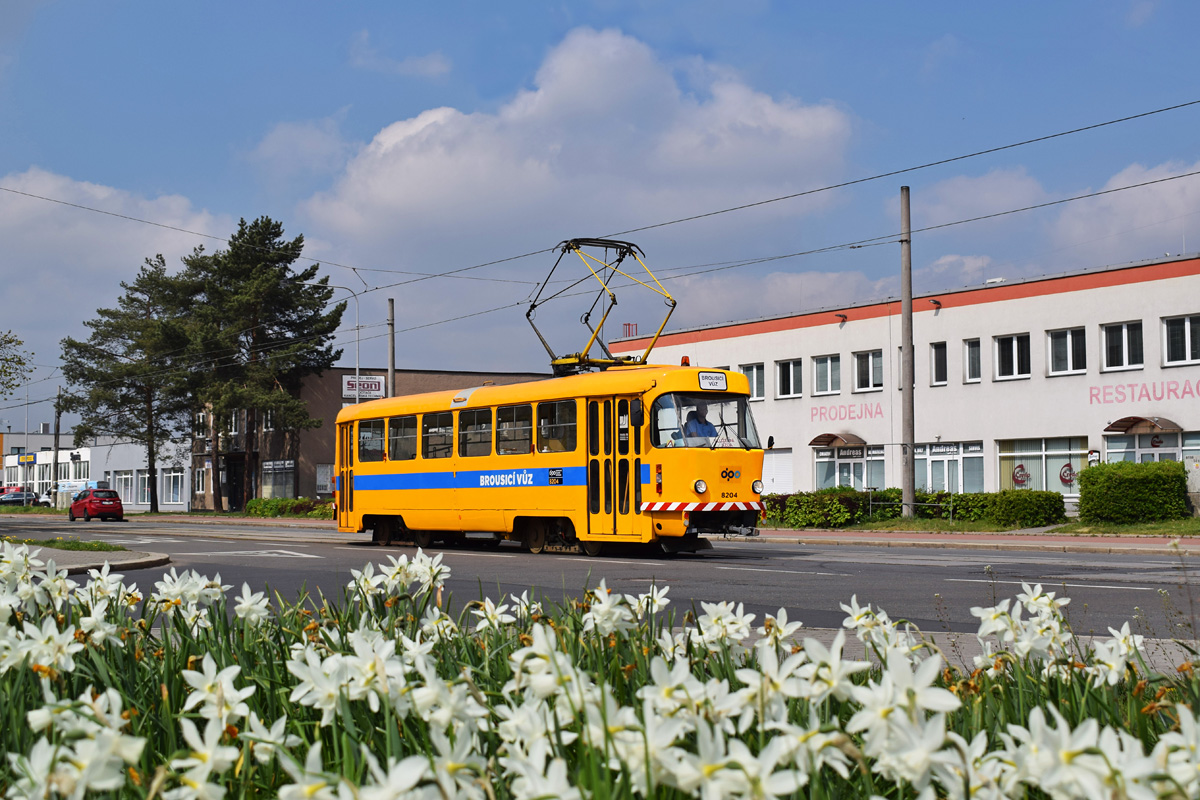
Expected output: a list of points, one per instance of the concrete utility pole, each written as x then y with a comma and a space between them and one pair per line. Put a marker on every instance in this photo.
57, 420
391, 386
908, 474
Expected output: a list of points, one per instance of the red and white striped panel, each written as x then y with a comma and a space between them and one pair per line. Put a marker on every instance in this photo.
702, 506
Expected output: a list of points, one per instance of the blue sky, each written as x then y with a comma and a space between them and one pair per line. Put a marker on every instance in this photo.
423, 137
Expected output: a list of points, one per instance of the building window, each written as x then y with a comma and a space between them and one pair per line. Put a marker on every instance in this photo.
972, 363
201, 423
81, 471
64, 471
858, 467
233, 421
937, 364
790, 378
868, 371
201, 475
1043, 464
1182, 340
402, 438
10, 476
1123, 346
279, 478
172, 484
143, 486
1068, 351
827, 375
1152, 446
269, 419
1012, 356
324, 478
939, 465
756, 375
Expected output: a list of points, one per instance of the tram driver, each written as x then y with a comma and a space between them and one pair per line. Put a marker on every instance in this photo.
697, 423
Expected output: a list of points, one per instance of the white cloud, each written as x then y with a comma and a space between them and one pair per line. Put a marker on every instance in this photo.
604, 140
62, 263
293, 151
1134, 224
940, 53
966, 197
1140, 12
364, 56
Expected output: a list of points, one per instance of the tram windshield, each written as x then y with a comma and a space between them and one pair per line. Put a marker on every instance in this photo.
703, 420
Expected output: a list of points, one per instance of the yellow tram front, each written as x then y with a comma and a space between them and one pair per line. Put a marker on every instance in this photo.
703, 472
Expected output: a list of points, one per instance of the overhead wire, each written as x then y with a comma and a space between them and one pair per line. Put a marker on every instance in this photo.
719, 266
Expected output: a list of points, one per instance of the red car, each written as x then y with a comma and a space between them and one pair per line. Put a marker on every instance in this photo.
92, 503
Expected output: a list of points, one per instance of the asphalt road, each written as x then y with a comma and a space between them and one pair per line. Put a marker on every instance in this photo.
934, 588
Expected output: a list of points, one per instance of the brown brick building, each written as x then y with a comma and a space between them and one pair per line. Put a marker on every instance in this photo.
300, 463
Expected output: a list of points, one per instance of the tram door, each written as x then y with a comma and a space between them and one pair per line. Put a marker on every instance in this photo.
614, 463
345, 458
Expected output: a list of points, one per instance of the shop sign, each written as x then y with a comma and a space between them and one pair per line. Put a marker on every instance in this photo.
846, 411
370, 387
1093, 457
1067, 474
279, 466
1020, 475
920, 449
874, 450
973, 447
948, 449
28, 458
849, 453
828, 453
1154, 391
1156, 441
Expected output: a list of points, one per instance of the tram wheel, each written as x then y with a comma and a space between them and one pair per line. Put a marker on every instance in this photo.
535, 538
422, 539
592, 549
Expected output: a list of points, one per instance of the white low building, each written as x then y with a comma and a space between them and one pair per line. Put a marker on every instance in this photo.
1017, 383
121, 465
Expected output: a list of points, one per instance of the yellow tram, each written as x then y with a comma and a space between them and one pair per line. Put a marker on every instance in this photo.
633, 454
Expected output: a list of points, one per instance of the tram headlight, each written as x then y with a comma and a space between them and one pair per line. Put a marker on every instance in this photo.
701, 487
757, 487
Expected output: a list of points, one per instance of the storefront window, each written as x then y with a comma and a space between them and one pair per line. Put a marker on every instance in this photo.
1148, 447
949, 467
1043, 464
857, 467
279, 478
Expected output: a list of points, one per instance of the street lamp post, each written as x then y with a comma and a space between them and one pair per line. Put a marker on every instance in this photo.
353, 294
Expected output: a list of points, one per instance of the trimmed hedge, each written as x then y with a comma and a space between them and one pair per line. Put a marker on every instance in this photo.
1126, 492
840, 507
290, 507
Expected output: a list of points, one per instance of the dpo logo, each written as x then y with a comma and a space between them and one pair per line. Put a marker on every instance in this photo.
731, 474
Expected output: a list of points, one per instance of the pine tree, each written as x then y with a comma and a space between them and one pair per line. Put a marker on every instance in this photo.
259, 331
126, 380
14, 362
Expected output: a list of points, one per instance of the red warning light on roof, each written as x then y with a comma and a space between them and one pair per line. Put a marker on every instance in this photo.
685, 362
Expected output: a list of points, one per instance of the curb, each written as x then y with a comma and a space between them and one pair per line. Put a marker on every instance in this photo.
145, 561
1048, 547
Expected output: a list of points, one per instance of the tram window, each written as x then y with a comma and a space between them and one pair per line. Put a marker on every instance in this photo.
514, 430
475, 432
437, 435
556, 427
370, 440
402, 438
622, 427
